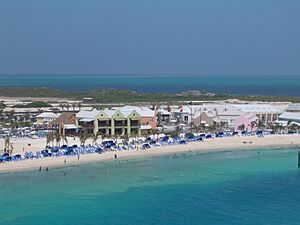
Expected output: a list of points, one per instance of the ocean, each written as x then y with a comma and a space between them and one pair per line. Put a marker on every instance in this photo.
229, 187
278, 85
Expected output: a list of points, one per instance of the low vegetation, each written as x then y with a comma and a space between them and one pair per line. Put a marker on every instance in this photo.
2, 105
120, 96
33, 105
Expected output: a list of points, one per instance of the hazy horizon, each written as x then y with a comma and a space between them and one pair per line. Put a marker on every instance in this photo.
158, 37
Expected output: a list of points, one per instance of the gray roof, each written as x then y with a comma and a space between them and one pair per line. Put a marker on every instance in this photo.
87, 114
257, 108
293, 108
289, 116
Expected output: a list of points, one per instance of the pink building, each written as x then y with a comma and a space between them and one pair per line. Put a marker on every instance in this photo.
247, 122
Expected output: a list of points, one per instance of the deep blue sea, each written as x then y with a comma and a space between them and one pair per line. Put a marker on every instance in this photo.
284, 85
239, 187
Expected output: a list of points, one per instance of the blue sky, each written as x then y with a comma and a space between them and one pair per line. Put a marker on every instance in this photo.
150, 36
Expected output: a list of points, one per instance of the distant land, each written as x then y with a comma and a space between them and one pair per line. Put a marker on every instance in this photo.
259, 85
107, 96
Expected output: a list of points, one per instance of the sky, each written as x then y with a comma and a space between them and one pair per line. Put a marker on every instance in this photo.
150, 37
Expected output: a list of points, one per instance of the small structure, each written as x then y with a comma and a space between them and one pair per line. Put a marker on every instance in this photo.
110, 122
66, 123
293, 108
46, 118
247, 122
163, 116
266, 114
86, 119
290, 117
148, 119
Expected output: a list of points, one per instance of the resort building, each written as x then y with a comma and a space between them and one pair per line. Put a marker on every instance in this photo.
293, 108
86, 120
289, 117
110, 122
46, 118
224, 115
266, 114
184, 114
148, 119
66, 123
163, 116
247, 122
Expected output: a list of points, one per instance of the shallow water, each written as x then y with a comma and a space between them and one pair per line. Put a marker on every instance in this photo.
239, 187
286, 85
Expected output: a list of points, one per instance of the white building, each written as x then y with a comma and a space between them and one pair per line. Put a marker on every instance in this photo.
266, 114
287, 117
208, 114
46, 117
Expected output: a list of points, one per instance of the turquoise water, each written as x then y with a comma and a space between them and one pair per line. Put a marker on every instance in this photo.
288, 85
240, 187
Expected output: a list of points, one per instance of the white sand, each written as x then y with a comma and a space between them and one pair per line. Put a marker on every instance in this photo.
219, 144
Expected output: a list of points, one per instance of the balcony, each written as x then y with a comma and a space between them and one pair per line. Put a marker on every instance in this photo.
120, 123
135, 123
106, 123
86, 125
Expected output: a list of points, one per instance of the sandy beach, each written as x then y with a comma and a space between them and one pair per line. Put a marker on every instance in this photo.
219, 144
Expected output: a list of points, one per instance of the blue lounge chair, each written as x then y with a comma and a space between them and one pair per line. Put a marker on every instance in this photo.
209, 136
182, 142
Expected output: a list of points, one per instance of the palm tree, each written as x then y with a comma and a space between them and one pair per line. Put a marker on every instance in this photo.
79, 105
197, 129
62, 106
212, 127
253, 124
67, 106
176, 132
158, 116
153, 131
64, 138
49, 138
125, 137
222, 125
74, 106
293, 127
95, 137
116, 137
58, 138
82, 137
103, 135
6, 144
241, 127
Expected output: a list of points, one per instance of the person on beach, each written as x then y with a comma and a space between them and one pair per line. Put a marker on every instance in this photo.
40, 169
11, 148
65, 161
116, 156
78, 156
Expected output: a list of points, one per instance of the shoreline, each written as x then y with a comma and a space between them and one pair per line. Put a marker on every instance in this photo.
212, 145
